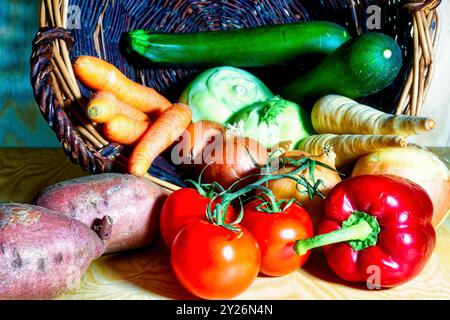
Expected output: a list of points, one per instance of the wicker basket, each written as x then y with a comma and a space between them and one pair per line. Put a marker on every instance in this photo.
61, 98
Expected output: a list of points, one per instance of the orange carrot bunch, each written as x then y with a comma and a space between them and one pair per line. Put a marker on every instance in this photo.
100, 75
104, 106
125, 130
125, 109
165, 131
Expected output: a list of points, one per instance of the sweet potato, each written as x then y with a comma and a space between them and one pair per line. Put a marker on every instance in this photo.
134, 204
42, 253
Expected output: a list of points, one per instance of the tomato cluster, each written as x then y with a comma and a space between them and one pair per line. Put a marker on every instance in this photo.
215, 262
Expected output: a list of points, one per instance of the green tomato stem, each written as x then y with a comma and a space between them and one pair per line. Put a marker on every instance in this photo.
216, 215
229, 197
273, 203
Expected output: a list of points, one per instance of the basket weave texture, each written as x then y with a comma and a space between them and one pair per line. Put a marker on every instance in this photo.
61, 98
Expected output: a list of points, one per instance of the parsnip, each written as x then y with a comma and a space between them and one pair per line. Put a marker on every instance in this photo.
349, 148
340, 115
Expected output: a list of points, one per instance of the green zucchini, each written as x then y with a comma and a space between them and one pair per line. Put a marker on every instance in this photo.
249, 47
360, 67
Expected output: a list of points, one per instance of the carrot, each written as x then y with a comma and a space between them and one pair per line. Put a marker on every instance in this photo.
166, 130
341, 115
103, 106
124, 130
100, 75
350, 147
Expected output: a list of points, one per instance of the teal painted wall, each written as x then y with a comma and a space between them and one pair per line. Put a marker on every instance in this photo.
21, 124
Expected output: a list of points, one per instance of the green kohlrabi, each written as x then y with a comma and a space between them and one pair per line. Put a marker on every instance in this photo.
218, 93
273, 121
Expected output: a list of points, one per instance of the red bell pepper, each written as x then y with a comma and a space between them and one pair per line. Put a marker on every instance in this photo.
375, 224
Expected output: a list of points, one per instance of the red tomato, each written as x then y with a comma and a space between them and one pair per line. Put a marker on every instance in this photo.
180, 209
215, 263
276, 234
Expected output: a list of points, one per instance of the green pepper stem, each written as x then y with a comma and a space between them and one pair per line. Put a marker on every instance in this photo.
360, 231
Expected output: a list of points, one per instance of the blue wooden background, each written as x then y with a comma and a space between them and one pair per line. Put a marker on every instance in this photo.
21, 124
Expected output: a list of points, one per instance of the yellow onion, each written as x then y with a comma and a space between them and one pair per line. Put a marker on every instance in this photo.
416, 164
231, 159
288, 189
220, 155
200, 134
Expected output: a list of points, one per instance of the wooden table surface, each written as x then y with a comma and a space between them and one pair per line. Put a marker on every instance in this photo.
146, 274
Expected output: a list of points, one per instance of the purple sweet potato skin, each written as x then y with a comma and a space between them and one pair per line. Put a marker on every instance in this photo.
42, 253
133, 203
